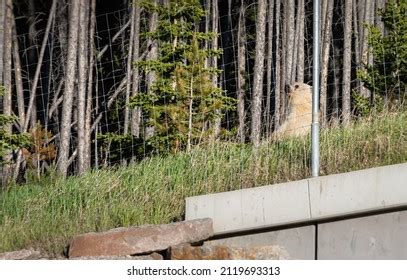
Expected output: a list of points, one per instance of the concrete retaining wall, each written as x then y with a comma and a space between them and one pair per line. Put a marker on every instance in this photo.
303, 201
298, 242
318, 203
374, 237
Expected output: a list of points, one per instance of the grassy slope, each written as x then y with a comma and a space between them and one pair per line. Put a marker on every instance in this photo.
47, 215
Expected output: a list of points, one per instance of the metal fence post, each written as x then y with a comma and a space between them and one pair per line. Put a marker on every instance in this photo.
315, 90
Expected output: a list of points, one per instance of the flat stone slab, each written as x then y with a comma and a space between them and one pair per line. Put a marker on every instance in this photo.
224, 252
21, 255
153, 256
140, 240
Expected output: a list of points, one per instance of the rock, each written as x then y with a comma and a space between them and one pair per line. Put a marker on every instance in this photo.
153, 256
222, 252
21, 255
140, 240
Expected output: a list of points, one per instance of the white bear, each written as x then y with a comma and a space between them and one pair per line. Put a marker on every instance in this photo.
299, 118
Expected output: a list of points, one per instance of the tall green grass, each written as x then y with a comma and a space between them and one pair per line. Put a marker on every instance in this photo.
47, 215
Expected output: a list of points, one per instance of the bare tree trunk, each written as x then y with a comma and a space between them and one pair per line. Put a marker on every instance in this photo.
324, 6
95, 126
7, 86
290, 22
267, 114
18, 78
88, 118
208, 60
32, 54
295, 44
136, 113
3, 170
82, 77
360, 9
2, 23
283, 63
277, 89
215, 78
31, 105
258, 72
62, 27
129, 71
300, 34
325, 61
191, 99
151, 55
241, 69
369, 52
336, 69
347, 62
7, 61
65, 130
20, 94
357, 35
378, 19
365, 48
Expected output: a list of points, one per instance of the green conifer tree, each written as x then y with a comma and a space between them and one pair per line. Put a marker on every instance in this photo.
9, 141
183, 102
387, 76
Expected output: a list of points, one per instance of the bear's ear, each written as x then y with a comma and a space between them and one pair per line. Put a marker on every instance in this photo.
287, 89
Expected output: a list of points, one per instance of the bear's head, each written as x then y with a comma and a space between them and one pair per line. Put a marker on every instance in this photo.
300, 94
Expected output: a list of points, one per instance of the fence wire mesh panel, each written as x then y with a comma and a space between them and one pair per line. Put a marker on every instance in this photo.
142, 102
149, 80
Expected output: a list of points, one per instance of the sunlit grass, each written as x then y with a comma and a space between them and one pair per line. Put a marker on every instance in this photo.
46, 215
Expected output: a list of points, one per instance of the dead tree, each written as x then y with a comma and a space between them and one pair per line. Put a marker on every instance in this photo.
82, 77
257, 93
241, 73
215, 78
71, 67
269, 67
326, 43
277, 89
347, 61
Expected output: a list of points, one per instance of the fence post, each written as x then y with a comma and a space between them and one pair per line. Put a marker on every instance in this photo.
315, 90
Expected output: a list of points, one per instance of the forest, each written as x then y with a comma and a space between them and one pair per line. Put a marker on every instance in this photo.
87, 84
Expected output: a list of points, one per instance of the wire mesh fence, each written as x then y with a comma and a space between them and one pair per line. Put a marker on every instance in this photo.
219, 89
113, 113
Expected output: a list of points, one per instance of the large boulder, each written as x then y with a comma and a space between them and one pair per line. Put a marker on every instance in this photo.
140, 240
223, 252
